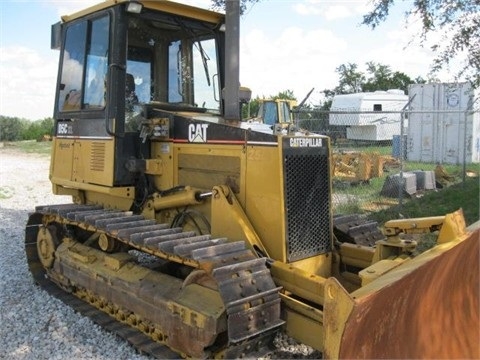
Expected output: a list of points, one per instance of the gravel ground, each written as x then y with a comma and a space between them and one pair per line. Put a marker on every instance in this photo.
35, 325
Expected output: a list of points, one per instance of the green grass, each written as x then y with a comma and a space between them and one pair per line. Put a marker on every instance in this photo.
31, 146
366, 198
440, 202
352, 146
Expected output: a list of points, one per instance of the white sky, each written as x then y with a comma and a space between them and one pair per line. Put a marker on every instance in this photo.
285, 45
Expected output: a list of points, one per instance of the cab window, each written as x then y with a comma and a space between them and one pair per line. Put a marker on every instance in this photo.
139, 67
285, 109
270, 113
84, 66
173, 63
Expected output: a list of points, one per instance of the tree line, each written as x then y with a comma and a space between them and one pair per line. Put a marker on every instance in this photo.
352, 80
377, 77
16, 129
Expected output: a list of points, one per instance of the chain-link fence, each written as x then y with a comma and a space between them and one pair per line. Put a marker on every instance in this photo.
384, 159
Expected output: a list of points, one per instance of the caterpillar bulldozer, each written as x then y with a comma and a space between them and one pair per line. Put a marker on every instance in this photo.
276, 114
273, 116
191, 235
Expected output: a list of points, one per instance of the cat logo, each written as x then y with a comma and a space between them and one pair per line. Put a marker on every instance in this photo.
306, 142
197, 133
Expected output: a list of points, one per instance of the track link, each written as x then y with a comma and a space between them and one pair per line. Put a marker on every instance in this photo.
250, 297
356, 229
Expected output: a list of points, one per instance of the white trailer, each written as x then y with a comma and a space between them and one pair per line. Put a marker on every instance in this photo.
442, 126
374, 116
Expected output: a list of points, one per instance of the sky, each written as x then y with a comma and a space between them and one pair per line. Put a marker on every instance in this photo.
285, 45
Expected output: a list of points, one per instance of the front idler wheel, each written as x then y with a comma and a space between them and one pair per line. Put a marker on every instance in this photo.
47, 243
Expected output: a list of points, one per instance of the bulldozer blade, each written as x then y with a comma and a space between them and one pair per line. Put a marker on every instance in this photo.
428, 308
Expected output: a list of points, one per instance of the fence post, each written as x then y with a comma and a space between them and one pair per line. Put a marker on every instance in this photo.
464, 166
402, 149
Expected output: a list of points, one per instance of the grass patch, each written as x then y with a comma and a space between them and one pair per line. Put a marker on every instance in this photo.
33, 147
367, 198
434, 203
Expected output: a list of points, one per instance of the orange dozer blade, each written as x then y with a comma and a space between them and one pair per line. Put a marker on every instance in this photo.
428, 310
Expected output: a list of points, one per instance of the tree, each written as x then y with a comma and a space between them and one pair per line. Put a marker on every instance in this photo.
285, 95
15, 129
381, 77
220, 4
35, 130
251, 109
351, 80
457, 21
377, 77
11, 128
327, 103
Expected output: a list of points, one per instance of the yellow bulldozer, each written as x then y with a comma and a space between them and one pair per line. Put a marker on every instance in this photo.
192, 235
273, 116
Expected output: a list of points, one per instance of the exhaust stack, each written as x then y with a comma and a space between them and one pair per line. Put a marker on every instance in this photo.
232, 60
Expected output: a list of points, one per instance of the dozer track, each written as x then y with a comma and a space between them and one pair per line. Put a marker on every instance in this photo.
80, 252
356, 229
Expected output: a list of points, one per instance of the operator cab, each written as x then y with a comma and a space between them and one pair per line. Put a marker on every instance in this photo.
118, 56
114, 60
274, 116
273, 112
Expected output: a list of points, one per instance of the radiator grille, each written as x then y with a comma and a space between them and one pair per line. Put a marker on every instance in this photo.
307, 194
97, 156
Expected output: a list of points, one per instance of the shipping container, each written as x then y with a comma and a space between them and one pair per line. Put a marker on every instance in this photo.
377, 123
443, 124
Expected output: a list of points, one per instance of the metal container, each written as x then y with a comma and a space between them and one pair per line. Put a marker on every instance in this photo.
442, 126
